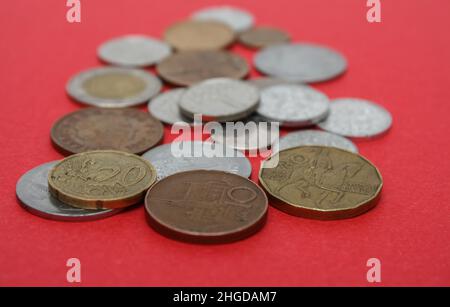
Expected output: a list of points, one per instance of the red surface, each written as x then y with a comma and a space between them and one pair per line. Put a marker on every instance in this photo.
402, 63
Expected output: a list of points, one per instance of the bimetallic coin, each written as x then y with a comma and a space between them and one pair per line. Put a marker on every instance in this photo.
123, 129
199, 35
261, 37
102, 179
316, 137
220, 99
187, 68
133, 51
32, 191
206, 206
321, 182
113, 87
238, 19
165, 107
293, 105
176, 157
357, 118
300, 62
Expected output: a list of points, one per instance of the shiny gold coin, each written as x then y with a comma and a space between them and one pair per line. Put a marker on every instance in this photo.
101, 179
261, 37
321, 182
199, 35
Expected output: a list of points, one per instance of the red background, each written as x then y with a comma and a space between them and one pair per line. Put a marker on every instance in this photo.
403, 63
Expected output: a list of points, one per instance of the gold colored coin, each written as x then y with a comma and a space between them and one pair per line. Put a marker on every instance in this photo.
101, 179
321, 182
114, 85
261, 37
199, 35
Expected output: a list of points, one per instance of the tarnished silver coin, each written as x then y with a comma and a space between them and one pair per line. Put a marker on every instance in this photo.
300, 62
316, 137
113, 87
165, 107
293, 105
32, 191
177, 157
357, 118
220, 99
237, 19
133, 51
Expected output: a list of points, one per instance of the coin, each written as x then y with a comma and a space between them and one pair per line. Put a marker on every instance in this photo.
123, 129
316, 137
102, 179
169, 159
165, 107
220, 99
32, 191
133, 51
206, 206
199, 35
293, 105
261, 37
300, 62
357, 118
187, 68
262, 83
238, 19
321, 182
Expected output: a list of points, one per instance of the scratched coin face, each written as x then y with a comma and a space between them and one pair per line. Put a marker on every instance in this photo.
261, 37
199, 35
187, 68
316, 137
124, 129
206, 206
103, 179
32, 191
321, 182
113, 87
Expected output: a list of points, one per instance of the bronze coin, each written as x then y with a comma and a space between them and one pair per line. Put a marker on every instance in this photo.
123, 129
319, 182
187, 68
199, 35
101, 179
206, 206
261, 37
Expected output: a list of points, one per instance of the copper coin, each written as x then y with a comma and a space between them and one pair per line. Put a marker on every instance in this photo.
320, 182
199, 35
187, 68
206, 206
261, 37
123, 129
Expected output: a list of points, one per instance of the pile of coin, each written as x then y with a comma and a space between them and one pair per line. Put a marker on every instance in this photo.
114, 160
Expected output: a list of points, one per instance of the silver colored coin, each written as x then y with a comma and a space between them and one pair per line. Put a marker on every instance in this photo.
300, 62
133, 51
220, 99
262, 83
165, 107
113, 87
237, 19
32, 191
177, 157
357, 118
293, 105
316, 137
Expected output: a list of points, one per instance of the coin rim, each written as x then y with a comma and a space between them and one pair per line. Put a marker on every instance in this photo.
338, 136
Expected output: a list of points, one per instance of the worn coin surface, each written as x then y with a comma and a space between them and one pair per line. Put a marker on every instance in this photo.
357, 118
187, 68
206, 206
300, 62
177, 157
112, 87
101, 179
321, 182
316, 137
133, 51
238, 19
261, 37
220, 99
123, 129
32, 191
165, 107
199, 35
293, 105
